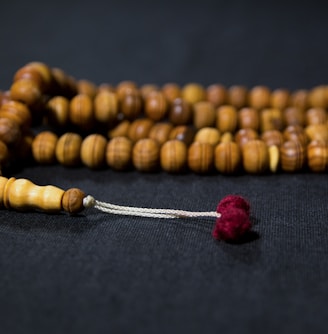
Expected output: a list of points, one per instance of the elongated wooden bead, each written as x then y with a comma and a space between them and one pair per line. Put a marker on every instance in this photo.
81, 111
204, 114
255, 156
226, 118
248, 118
106, 107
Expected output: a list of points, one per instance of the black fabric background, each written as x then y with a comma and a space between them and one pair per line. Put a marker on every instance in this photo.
98, 273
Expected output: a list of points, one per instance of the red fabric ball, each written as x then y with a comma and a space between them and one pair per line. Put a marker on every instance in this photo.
233, 201
232, 225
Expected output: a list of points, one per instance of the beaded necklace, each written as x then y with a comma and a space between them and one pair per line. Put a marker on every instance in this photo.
204, 130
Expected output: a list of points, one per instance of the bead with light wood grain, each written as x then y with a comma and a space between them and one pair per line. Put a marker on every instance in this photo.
217, 94
227, 157
171, 91
156, 105
124, 88
86, 87
140, 128
299, 99
208, 135
204, 115
93, 150
57, 111
173, 156
248, 118
81, 111
242, 136
226, 118
227, 137
255, 157
145, 155
160, 132
68, 149
44, 147
193, 93
318, 97
295, 133
26, 91
317, 132
292, 156
10, 132
19, 111
259, 97
106, 107
201, 157
317, 156
121, 129
147, 89
119, 153
272, 137
279, 98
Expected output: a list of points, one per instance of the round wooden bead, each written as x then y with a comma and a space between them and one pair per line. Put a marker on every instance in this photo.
237, 96
160, 132
208, 135
242, 136
125, 87
140, 128
226, 118
19, 111
106, 107
145, 155
81, 111
147, 89
180, 112
64, 85
259, 97
193, 93
10, 132
217, 95
44, 147
201, 157
317, 132
72, 200
316, 116
272, 137
226, 137
292, 156
318, 97
299, 99
271, 119
171, 91
173, 156
183, 133
119, 153
227, 157
248, 118
294, 116
131, 104
280, 99
121, 130
204, 115
26, 91
68, 149
93, 150
255, 156
156, 105
317, 156
86, 87
295, 133
58, 111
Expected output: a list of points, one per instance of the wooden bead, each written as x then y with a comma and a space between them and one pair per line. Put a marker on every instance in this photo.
10, 132
280, 99
160, 132
72, 200
86, 87
22, 195
5, 97
58, 111
318, 97
227, 157
131, 104
226, 137
4, 154
93, 150
295, 133
217, 95
208, 135
81, 111
317, 132
294, 116
299, 99
145, 155
118, 153
171, 91
292, 155
26, 91
120, 130
156, 105
271, 119
140, 128
173, 156
248, 118
64, 85
201, 157
237, 96
255, 156
316, 116
68, 149
183, 133
44, 147
274, 158
106, 107
180, 112
226, 118
244, 135
259, 97
204, 115
272, 137
317, 155
20, 112
105, 87
125, 87
147, 89
193, 93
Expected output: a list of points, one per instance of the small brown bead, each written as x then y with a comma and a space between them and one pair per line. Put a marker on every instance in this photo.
160, 132
317, 132
193, 93
242, 136
248, 118
81, 111
68, 149
131, 104
171, 91
121, 130
29, 73
44, 147
156, 106
295, 133
180, 112
140, 129
119, 153
72, 200
227, 157
10, 132
294, 116
173, 156
299, 99
318, 97
317, 155
316, 116
217, 95
145, 155
226, 118
20, 111
4, 154
255, 157
201, 157
86, 87
208, 135
64, 85
271, 119
44, 71
26, 91
147, 89
106, 107
204, 114
237, 96
58, 111
259, 97
183, 133
292, 155
125, 87
279, 98
93, 151
272, 137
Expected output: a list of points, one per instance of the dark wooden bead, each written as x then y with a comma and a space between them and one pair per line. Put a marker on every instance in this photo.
180, 112
72, 201
183, 133
140, 129
156, 105
294, 116
171, 91
237, 96
131, 104
217, 94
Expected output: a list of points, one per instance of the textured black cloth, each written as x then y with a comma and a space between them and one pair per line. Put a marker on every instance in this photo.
98, 273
